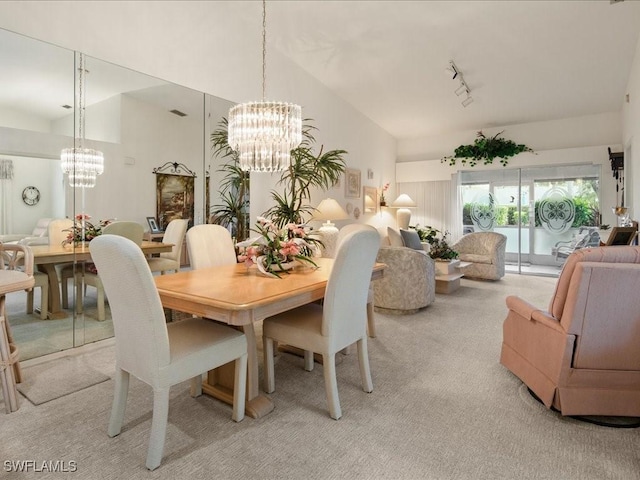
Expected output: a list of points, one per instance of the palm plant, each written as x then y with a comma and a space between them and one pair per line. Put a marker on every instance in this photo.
233, 209
307, 171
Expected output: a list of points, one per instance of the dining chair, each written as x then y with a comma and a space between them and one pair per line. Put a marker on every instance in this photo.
344, 231
155, 352
168, 261
329, 328
210, 246
41, 281
87, 274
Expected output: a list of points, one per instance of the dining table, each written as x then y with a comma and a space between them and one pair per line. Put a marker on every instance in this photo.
241, 296
46, 257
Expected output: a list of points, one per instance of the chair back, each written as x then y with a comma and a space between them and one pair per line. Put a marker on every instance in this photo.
350, 228
174, 234
210, 246
58, 230
131, 230
142, 341
41, 228
620, 254
345, 301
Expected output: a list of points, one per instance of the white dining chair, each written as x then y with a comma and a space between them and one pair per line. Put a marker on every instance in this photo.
158, 353
87, 274
344, 231
341, 320
41, 281
210, 246
169, 261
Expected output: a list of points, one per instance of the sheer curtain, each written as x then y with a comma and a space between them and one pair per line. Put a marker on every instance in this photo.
438, 204
6, 178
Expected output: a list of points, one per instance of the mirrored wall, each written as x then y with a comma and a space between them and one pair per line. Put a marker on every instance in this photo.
143, 125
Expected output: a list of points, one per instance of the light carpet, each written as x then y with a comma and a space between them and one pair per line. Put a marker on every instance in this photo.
58, 378
442, 408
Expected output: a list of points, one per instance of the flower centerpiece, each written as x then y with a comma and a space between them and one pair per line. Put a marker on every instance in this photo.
439, 248
277, 250
83, 230
383, 200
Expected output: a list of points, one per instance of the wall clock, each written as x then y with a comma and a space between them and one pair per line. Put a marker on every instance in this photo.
31, 195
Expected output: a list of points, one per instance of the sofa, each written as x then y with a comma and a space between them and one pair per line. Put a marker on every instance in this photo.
409, 281
38, 235
486, 253
582, 355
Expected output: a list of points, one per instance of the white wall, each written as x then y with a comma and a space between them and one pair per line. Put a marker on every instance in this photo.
194, 44
631, 137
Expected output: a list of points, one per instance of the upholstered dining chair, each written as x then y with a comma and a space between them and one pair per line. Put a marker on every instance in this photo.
41, 282
168, 261
88, 275
210, 246
344, 231
158, 353
329, 328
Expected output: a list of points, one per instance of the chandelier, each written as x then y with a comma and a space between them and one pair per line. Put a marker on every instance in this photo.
264, 133
83, 165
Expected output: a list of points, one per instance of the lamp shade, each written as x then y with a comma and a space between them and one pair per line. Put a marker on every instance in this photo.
329, 209
403, 201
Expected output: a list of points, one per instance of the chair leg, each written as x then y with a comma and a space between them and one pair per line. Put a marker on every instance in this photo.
30, 301
100, 301
239, 388
120, 392
308, 360
44, 301
269, 376
365, 370
196, 386
64, 290
371, 323
158, 427
331, 385
79, 292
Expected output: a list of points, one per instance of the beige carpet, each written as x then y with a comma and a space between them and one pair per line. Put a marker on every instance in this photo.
57, 378
442, 408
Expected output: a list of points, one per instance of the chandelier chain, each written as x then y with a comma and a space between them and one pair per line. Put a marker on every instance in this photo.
81, 99
264, 49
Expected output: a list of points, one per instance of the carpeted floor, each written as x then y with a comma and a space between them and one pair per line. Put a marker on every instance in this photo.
442, 408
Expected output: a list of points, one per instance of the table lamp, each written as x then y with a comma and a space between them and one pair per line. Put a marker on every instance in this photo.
328, 210
403, 203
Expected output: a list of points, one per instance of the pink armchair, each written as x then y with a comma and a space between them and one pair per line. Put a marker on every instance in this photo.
582, 357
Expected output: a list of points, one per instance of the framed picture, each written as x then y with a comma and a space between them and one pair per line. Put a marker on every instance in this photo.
174, 198
370, 196
621, 236
153, 225
352, 183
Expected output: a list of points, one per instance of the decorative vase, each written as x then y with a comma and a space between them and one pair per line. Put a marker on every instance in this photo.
284, 266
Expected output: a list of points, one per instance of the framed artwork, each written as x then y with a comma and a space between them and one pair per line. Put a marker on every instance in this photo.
621, 236
352, 183
153, 225
174, 198
370, 196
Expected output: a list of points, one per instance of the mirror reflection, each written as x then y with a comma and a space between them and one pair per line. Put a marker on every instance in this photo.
140, 124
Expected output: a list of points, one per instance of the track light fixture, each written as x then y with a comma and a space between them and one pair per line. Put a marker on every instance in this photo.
463, 87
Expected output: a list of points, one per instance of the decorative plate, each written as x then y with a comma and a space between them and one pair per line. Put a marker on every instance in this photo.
349, 208
356, 213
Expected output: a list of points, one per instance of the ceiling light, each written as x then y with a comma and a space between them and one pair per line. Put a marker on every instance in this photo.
462, 89
467, 101
264, 133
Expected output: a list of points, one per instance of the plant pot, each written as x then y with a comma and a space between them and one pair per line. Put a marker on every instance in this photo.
260, 263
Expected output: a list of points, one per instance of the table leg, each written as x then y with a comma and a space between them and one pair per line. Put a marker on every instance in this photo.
55, 310
219, 383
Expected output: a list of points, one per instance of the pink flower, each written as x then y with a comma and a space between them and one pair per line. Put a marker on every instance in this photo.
289, 248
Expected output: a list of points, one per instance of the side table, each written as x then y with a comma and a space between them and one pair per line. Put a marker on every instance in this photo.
448, 275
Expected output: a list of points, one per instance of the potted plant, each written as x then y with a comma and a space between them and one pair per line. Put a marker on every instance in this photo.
437, 240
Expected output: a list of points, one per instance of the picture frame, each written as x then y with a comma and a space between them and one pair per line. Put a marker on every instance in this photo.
174, 198
369, 199
153, 225
352, 183
621, 236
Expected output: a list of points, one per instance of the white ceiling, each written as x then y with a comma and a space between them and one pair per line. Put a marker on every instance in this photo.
524, 61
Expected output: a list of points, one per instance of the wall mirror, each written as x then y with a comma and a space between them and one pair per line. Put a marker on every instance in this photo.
139, 123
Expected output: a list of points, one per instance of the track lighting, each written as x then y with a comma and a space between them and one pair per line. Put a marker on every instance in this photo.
463, 87
467, 101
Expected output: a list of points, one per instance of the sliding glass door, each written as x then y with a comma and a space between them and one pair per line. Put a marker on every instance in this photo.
545, 212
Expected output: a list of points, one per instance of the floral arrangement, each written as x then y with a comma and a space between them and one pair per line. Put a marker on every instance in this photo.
277, 250
83, 230
439, 248
383, 200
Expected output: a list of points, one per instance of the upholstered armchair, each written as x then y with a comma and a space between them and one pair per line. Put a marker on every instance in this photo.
485, 251
408, 283
582, 356
38, 235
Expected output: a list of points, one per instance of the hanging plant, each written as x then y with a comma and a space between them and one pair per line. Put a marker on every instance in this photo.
484, 149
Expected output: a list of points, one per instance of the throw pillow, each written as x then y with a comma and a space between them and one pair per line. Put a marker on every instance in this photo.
395, 239
411, 239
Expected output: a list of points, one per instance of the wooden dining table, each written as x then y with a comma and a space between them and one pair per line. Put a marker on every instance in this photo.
241, 296
46, 257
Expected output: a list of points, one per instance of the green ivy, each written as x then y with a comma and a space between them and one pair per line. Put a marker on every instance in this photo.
484, 149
